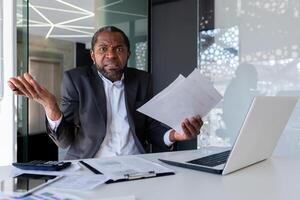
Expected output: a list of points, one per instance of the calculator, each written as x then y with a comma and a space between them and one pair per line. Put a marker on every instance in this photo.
42, 165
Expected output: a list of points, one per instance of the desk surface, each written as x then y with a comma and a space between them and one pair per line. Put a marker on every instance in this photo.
273, 179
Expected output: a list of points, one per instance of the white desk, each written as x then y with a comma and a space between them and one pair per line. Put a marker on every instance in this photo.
274, 179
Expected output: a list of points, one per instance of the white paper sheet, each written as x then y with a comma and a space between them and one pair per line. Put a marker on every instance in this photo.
51, 195
183, 98
80, 182
165, 91
116, 168
120, 198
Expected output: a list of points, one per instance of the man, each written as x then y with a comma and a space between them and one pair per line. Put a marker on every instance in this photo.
98, 114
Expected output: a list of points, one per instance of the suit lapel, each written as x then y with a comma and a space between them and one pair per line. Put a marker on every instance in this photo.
98, 88
131, 86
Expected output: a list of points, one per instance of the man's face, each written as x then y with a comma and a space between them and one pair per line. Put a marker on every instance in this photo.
110, 55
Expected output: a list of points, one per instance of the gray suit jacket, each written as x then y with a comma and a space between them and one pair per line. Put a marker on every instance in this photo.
83, 105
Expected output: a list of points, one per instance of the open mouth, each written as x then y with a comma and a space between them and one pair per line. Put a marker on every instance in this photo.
112, 68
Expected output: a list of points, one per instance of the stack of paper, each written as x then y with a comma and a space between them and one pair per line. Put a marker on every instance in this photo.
183, 98
124, 168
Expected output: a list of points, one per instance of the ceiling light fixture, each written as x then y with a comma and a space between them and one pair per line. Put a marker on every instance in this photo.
122, 13
75, 7
72, 29
110, 4
39, 9
74, 20
61, 10
44, 17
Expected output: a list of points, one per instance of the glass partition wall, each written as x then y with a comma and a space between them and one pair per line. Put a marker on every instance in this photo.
249, 48
56, 37
1, 49
132, 17
22, 67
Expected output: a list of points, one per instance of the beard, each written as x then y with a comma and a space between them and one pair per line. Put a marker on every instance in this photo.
112, 75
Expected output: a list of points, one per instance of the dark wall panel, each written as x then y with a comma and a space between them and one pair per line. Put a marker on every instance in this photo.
174, 44
83, 58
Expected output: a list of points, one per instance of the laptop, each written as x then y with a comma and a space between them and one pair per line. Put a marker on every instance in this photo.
257, 138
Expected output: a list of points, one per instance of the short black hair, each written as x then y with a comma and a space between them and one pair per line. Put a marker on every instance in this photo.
110, 29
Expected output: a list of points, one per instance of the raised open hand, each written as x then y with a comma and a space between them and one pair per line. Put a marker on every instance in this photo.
25, 85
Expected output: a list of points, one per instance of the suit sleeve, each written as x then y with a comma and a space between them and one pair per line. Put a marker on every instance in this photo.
67, 129
156, 130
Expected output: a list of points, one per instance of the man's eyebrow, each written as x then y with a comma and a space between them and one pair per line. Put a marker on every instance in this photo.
120, 45
116, 46
102, 44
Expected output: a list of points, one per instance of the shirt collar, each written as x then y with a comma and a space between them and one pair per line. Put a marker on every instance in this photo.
109, 82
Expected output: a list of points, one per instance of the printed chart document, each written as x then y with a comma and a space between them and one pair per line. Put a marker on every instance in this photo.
128, 168
80, 182
183, 98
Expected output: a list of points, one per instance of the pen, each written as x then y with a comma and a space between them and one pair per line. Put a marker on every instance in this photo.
90, 167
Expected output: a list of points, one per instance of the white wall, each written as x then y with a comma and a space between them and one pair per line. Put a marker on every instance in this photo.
7, 104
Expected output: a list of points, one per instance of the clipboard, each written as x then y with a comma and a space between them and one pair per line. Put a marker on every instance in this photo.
139, 175
131, 173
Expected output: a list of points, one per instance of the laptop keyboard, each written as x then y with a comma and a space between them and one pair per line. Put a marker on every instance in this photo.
212, 160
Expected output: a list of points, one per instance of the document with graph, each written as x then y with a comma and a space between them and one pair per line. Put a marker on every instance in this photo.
126, 168
183, 98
